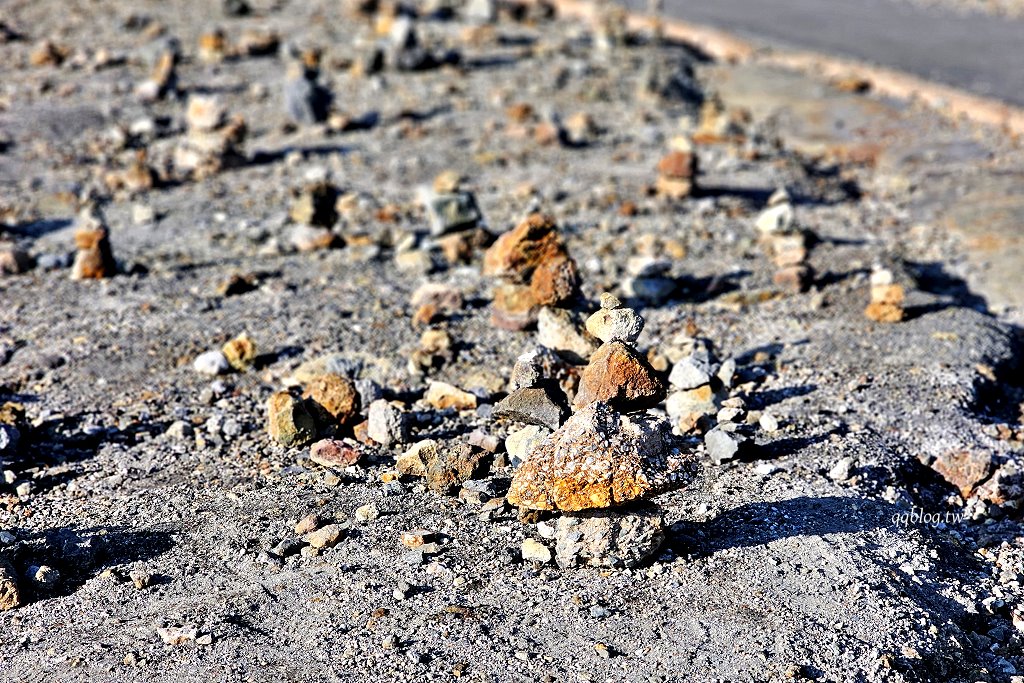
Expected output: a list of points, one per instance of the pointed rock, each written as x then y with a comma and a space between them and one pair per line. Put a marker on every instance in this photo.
621, 377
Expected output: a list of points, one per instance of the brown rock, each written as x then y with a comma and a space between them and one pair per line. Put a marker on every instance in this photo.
442, 395
13, 260
448, 467
963, 469
621, 377
794, 279
677, 165
554, 281
94, 259
886, 304
10, 595
517, 253
600, 458
334, 399
514, 307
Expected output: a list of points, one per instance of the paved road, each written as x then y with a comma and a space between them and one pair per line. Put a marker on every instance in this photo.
979, 53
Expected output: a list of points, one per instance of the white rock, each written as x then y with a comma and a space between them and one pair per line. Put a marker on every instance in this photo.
211, 363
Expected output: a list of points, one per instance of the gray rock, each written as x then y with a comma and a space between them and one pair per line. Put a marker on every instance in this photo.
9, 437
451, 211
565, 332
539, 366
622, 324
609, 538
535, 405
651, 289
369, 391
724, 445
520, 442
385, 424
305, 101
693, 371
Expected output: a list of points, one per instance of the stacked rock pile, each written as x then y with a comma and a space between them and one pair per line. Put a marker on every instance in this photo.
94, 258
699, 381
212, 143
886, 305
785, 243
609, 454
677, 170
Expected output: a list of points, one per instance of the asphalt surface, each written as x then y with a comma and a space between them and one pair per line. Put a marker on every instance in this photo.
979, 53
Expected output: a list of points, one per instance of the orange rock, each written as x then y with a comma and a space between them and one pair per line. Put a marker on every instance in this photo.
963, 469
333, 398
554, 281
677, 165
514, 307
886, 304
600, 458
94, 259
621, 377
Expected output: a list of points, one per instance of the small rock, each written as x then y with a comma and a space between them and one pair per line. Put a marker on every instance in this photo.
451, 211
94, 258
413, 462
288, 421
607, 538
386, 424
535, 551
619, 376
46, 575
141, 577
693, 370
10, 593
333, 398
334, 453
768, 422
565, 331
615, 324
325, 536
211, 363
544, 406
14, 260
723, 446
307, 524
841, 471
367, 513
177, 635
240, 352
442, 395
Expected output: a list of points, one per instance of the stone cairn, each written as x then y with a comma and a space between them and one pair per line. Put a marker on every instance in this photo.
212, 142
785, 243
886, 305
306, 101
94, 258
595, 466
677, 170
457, 225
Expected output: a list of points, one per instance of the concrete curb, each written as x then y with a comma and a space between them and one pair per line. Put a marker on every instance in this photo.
949, 101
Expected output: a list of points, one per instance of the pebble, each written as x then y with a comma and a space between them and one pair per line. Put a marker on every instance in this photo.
693, 370
615, 323
325, 536
367, 513
307, 524
45, 575
442, 396
535, 551
450, 211
417, 538
724, 446
768, 422
386, 424
10, 591
141, 578
842, 470
240, 352
93, 258
211, 363
334, 453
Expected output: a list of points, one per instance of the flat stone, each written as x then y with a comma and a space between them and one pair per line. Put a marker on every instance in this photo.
609, 538
621, 377
964, 469
600, 458
452, 211
334, 453
544, 406
325, 536
442, 395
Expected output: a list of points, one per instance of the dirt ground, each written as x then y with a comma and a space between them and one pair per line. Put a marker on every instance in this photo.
777, 566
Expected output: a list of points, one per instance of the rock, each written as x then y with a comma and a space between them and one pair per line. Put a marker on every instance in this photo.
538, 366
480, 11
288, 421
535, 551
9, 437
315, 205
324, 537
842, 470
307, 524
442, 395
615, 324
693, 370
211, 363
240, 352
542, 406
312, 238
179, 430
686, 408
413, 462
514, 307
204, 113
776, 219
13, 260
794, 279
654, 290
521, 442
621, 377
446, 467
369, 391
328, 364
964, 469
94, 258
724, 446
564, 331
386, 424
533, 254
600, 458
333, 398
450, 211
606, 538
768, 422
417, 538
444, 298
10, 593
306, 102
177, 635
366, 513
334, 453
886, 304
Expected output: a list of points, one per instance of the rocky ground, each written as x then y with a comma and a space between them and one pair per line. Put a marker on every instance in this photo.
210, 268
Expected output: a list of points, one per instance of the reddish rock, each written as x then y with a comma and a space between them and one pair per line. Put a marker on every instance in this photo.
963, 469
677, 165
514, 307
334, 453
621, 377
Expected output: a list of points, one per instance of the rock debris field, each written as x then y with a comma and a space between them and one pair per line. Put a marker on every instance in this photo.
422, 342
